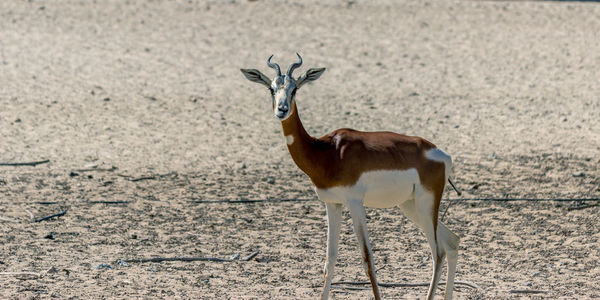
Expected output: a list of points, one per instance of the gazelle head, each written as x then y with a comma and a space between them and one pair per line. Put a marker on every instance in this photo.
283, 87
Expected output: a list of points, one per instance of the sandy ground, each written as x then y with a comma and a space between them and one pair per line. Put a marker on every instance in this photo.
142, 103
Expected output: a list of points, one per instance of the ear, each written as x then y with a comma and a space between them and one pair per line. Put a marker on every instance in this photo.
311, 74
256, 76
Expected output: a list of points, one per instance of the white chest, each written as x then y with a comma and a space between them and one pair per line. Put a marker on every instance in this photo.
377, 189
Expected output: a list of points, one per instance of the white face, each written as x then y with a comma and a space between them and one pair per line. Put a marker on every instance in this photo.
283, 92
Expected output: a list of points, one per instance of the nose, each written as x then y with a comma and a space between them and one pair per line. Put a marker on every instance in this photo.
282, 106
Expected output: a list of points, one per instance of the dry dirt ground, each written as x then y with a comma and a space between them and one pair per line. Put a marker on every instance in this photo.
146, 120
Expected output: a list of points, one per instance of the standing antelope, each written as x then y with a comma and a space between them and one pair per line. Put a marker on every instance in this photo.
373, 169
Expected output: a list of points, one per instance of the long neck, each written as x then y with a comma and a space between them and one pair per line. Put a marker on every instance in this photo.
300, 143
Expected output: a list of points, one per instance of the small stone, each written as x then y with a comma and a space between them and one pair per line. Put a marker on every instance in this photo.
92, 165
106, 99
101, 266
122, 263
52, 270
73, 174
49, 236
528, 283
270, 180
578, 174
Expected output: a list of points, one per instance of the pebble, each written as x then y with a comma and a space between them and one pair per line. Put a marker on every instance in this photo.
122, 263
101, 266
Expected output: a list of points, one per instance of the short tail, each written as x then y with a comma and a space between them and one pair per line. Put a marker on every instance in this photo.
454, 187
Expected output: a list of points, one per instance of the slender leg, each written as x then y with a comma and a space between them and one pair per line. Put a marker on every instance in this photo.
334, 218
447, 243
424, 203
357, 211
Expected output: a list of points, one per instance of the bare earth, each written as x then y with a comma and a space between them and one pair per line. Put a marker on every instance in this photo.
141, 105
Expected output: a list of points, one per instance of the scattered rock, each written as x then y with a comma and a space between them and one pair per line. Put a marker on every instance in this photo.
578, 174
101, 266
122, 263
92, 165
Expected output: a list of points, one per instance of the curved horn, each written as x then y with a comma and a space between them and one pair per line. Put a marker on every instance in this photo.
274, 65
294, 66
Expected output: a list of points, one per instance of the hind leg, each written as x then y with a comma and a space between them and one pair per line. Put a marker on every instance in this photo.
449, 245
446, 244
424, 202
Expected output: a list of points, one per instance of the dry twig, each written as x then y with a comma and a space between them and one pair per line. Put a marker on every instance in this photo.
22, 275
193, 258
8, 219
407, 284
528, 291
250, 256
62, 213
582, 206
29, 213
251, 200
113, 168
109, 202
31, 163
149, 177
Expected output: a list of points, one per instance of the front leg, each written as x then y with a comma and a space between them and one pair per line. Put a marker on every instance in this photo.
334, 219
357, 211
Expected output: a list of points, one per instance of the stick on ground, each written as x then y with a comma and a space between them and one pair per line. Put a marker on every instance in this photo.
528, 291
29, 213
109, 202
187, 259
62, 213
407, 284
582, 206
22, 275
31, 163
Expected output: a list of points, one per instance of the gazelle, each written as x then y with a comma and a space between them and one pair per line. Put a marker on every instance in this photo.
373, 169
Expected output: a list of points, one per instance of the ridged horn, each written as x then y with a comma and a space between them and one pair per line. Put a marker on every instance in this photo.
294, 66
274, 66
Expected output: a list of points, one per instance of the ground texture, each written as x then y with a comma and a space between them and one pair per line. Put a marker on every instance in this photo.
149, 125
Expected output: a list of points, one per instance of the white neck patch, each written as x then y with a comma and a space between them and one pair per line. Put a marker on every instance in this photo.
289, 139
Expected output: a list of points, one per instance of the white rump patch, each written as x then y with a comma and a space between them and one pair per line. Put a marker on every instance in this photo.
437, 154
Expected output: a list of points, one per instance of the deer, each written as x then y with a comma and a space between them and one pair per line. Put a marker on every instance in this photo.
357, 169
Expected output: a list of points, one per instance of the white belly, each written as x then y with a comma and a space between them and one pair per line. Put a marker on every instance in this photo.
377, 189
